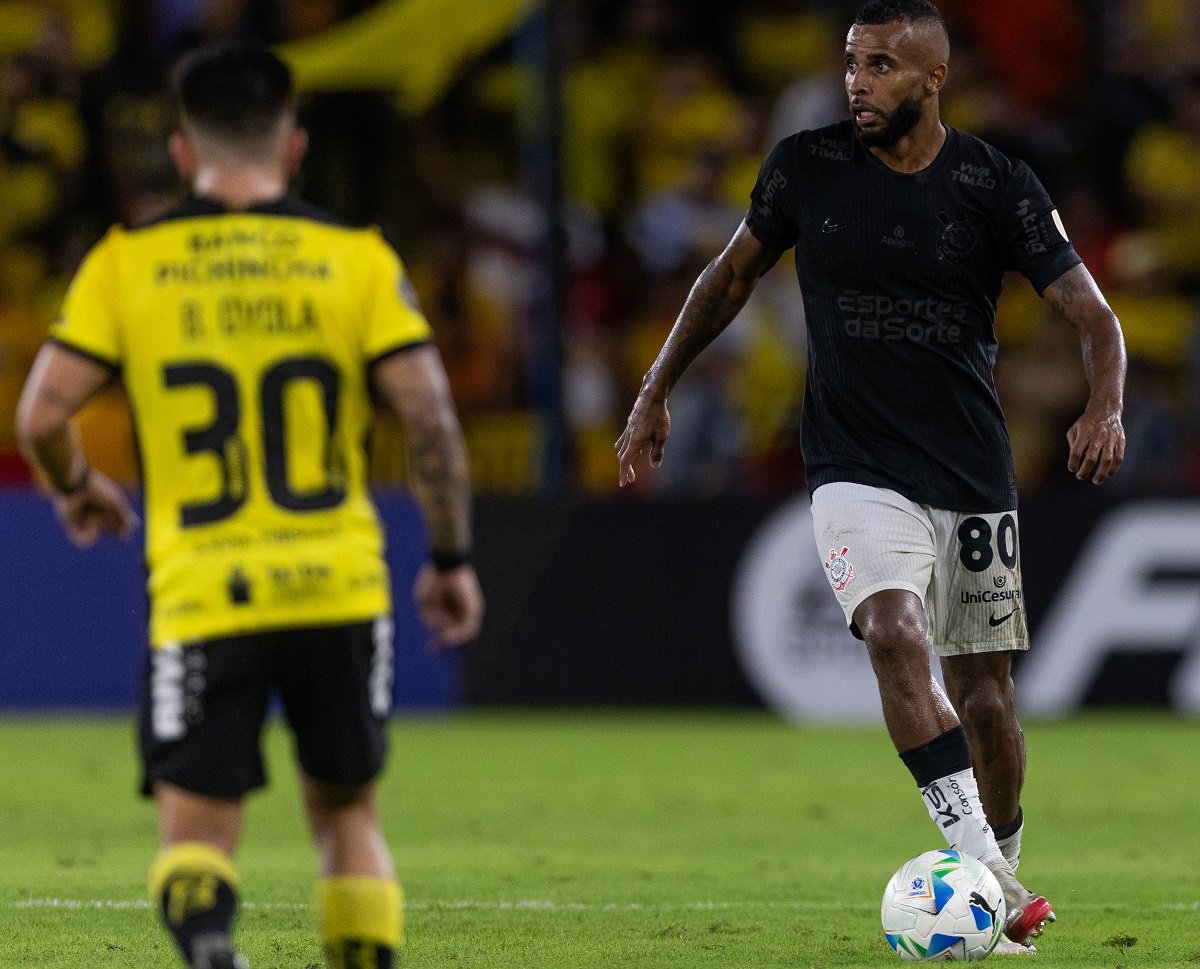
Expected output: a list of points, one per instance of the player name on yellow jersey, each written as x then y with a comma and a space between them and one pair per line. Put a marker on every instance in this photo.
205, 270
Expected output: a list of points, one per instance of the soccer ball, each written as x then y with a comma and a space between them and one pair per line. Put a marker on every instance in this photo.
943, 905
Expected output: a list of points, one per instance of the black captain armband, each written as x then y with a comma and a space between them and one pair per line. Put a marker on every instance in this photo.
449, 561
73, 487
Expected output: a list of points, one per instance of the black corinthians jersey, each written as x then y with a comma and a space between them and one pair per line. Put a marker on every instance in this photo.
900, 275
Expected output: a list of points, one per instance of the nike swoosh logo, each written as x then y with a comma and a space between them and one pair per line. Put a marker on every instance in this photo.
993, 621
833, 226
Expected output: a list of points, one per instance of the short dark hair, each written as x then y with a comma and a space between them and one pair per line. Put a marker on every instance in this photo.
912, 11
235, 89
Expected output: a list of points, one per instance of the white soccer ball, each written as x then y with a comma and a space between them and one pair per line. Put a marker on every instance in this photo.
943, 904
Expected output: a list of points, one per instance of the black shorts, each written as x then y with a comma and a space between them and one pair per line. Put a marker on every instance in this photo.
203, 706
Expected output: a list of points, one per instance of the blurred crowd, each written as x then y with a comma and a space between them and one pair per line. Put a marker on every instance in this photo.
667, 108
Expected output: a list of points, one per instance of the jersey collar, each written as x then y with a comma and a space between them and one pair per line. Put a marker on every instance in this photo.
933, 168
196, 204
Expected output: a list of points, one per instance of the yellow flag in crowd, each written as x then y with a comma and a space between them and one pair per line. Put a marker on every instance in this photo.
413, 47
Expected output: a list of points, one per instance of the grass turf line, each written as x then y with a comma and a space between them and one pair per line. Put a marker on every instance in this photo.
656, 839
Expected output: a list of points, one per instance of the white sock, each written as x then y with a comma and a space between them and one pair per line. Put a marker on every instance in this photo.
953, 805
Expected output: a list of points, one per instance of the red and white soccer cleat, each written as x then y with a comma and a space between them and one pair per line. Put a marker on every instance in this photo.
1028, 921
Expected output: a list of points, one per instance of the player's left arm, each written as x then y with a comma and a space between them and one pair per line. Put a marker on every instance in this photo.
87, 502
412, 384
1097, 438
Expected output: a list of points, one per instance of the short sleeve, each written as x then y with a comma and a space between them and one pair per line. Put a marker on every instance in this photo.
772, 214
90, 321
1032, 231
393, 316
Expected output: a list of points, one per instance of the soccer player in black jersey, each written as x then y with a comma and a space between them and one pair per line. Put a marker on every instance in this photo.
255, 336
903, 229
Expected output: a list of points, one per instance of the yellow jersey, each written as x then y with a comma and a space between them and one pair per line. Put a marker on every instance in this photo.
245, 341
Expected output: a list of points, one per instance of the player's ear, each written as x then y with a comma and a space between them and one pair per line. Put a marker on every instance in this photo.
183, 154
935, 79
296, 149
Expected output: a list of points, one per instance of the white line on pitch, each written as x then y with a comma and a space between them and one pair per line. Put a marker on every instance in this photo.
547, 905
466, 904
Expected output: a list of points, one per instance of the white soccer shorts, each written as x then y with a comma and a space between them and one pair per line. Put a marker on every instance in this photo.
965, 567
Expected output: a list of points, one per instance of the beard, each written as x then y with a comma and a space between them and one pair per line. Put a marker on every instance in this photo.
899, 123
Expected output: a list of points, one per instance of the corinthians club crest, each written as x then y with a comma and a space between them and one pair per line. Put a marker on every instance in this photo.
839, 569
960, 238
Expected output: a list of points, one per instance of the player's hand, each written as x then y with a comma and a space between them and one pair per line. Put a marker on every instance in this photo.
99, 506
649, 426
1097, 447
450, 604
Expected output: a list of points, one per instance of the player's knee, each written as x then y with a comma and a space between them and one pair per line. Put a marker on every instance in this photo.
335, 797
895, 641
984, 703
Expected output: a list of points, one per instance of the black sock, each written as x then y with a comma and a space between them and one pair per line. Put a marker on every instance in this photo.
1008, 830
945, 754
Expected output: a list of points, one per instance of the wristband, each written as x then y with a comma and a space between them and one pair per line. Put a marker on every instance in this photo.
449, 561
76, 486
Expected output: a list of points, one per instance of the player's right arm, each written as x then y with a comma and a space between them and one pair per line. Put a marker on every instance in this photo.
716, 298
86, 502
412, 385
68, 372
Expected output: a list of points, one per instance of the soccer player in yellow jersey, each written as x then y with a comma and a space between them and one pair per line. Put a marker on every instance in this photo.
253, 336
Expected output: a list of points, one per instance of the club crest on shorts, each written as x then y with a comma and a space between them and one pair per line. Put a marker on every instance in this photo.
839, 569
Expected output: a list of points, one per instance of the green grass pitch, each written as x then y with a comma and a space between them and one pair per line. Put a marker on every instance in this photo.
649, 839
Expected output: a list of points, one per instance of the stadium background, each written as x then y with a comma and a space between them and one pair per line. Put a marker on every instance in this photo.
555, 177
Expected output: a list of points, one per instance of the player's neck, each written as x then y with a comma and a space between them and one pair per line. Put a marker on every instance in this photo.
917, 149
240, 186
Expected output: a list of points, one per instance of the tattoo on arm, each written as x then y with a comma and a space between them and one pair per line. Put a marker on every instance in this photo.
1077, 298
1066, 292
438, 469
715, 299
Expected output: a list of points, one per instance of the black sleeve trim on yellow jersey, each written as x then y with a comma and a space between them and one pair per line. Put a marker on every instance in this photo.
114, 368
376, 360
